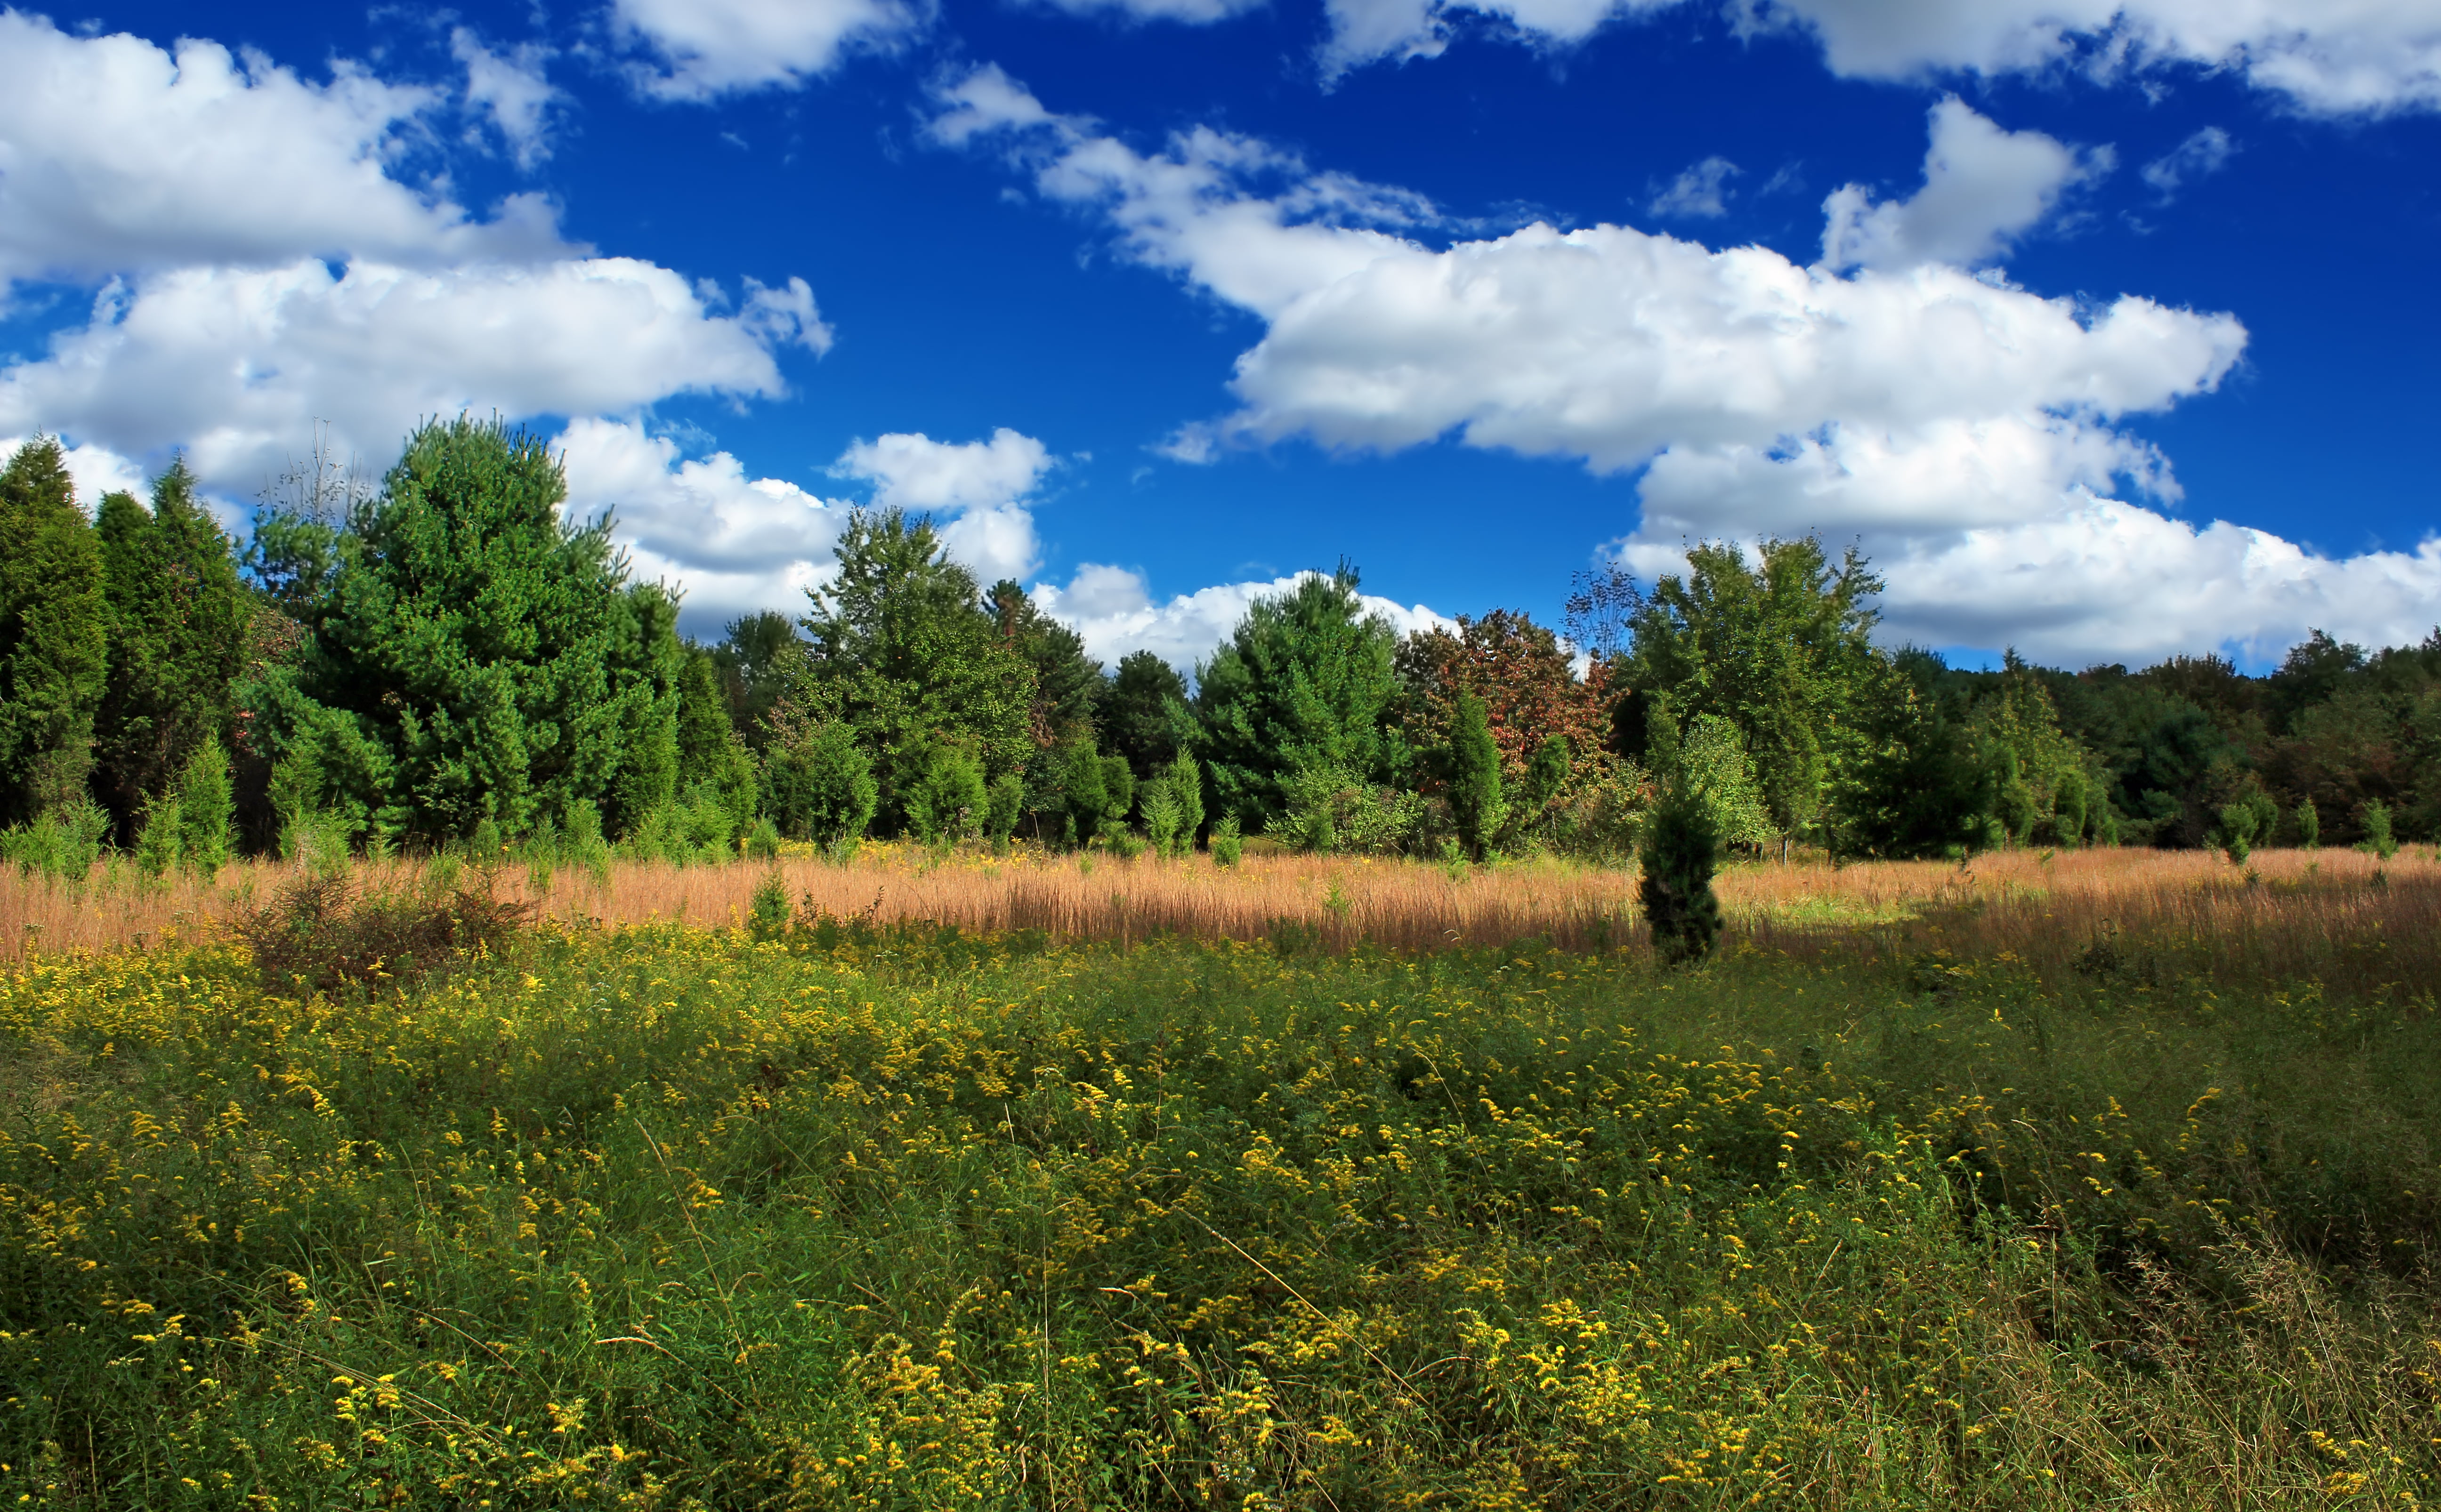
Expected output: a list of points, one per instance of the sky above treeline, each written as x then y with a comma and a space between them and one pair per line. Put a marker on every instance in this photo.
2108, 332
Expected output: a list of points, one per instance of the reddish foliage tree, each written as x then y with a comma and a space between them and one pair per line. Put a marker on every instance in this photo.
1525, 679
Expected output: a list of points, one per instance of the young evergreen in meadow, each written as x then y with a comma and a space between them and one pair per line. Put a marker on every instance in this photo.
54, 635
1474, 794
1679, 853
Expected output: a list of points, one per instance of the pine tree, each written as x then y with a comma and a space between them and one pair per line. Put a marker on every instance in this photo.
478, 658
54, 635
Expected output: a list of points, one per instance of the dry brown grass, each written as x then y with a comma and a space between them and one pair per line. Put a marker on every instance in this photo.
2334, 914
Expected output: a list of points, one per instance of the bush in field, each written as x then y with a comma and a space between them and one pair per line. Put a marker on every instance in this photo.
1227, 844
818, 783
2378, 839
206, 808
65, 842
2234, 836
948, 800
1680, 851
2309, 825
1005, 806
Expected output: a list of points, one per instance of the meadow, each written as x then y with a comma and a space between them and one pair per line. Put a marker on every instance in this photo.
2062, 1180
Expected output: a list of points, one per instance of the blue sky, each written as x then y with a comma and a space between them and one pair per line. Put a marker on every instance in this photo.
2107, 331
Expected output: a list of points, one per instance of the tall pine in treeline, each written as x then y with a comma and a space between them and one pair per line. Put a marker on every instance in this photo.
177, 641
478, 658
54, 635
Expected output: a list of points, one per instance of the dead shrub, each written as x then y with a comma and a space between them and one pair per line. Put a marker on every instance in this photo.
323, 933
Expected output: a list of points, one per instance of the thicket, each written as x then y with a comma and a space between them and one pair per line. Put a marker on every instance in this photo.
443, 661
860, 1217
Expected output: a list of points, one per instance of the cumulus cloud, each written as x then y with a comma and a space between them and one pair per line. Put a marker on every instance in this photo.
2327, 56
1983, 187
1969, 431
736, 545
2199, 156
700, 49
118, 156
511, 90
984, 485
236, 364
1701, 192
1111, 609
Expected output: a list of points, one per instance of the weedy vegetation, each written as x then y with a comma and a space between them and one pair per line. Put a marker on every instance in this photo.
398, 1193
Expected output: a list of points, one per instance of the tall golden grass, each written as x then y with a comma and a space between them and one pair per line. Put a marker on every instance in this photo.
2293, 914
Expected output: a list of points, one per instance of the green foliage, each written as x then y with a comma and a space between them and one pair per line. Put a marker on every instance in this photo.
948, 799
178, 620
2234, 836
63, 843
760, 658
1004, 807
54, 635
1304, 685
770, 915
161, 837
2309, 825
1718, 774
477, 659
818, 783
1781, 648
711, 755
1227, 844
1140, 709
2375, 819
1474, 797
1066, 682
904, 653
1161, 817
206, 808
1184, 780
1548, 773
1681, 849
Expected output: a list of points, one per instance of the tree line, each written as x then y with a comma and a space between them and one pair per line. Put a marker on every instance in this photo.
444, 658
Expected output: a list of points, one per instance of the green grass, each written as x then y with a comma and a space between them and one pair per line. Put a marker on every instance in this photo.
673, 1218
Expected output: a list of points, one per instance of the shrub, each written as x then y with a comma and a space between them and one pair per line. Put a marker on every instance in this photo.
159, 844
206, 808
1680, 851
1004, 807
1227, 844
1161, 817
2378, 839
65, 842
948, 800
2309, 825
818, 783
320, 933
769, 917
1475, 796
2234, 836
1185, 781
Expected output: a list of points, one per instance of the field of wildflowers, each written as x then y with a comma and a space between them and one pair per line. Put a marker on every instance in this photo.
1885, 1210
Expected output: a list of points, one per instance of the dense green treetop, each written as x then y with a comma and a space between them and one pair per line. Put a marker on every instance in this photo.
478, 658
54, 635
1140, 709
1065, 679
1304, 685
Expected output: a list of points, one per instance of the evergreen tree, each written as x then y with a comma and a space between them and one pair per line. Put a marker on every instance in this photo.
759, 658
1679, 853
178, 624
1066, 680
1304, 685
1474, 778
713, 764
1140, 710
477, 659
54, 635
2309, 825
818, 784
205, 807
904, 651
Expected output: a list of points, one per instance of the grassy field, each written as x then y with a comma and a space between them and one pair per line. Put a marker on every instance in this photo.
2091, 1179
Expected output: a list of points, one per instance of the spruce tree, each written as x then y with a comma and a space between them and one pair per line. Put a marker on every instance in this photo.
54, 635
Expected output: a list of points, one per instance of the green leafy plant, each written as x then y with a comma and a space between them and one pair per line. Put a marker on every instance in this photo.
1227, 843
1680, 851
2378, 842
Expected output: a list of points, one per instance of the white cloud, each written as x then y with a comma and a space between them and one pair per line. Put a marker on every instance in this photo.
704, 48
92, 470
1970, 432
735, 545
1701, 192
2199, 156
984, 484
512, 90
2328, 56
1111, 609
1982, 188
237, 365
118, 156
